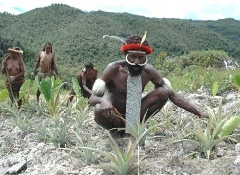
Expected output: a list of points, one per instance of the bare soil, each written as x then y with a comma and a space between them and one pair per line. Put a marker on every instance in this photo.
162, 156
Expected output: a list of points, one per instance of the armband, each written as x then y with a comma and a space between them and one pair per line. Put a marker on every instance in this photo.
99, 87
167, 84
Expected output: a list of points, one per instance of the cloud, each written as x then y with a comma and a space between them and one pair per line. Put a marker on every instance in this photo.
184, 9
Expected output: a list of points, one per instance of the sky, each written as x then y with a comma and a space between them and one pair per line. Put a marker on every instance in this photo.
181, 9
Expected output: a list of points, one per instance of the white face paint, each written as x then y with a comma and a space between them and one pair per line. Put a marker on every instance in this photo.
133, 64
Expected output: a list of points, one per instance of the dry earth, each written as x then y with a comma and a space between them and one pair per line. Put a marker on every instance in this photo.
161, 156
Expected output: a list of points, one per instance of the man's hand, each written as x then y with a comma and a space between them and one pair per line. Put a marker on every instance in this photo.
11, 78
4, 63
106, 108
203, 115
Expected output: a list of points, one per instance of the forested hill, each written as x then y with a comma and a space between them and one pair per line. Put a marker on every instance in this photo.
77, 36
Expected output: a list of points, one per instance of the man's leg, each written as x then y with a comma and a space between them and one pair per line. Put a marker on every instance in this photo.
107, 123
111, 124
153, 102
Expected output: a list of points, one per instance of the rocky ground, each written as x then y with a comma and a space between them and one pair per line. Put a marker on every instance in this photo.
27, 154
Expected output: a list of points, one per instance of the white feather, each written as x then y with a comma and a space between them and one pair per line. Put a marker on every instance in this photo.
115, 37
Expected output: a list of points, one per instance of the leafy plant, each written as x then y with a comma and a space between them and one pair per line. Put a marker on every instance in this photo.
80, 101
4, 95
141, 128
59, 133
166, 116
219, 116
236, 80
51, 88
230, 126
85, 153
11, 111
206, 138
121, 161
218, 128
214, 88
42, 130
24, 124
28, 87
81, 115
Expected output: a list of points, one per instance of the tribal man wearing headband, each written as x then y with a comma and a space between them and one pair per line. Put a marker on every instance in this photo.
117, 96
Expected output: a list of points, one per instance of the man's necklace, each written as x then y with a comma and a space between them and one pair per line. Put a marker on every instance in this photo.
133, 104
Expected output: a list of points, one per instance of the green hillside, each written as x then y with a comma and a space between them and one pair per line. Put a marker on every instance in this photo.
77, 36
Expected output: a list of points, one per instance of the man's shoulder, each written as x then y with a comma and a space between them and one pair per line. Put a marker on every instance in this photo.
116, 64
149, 67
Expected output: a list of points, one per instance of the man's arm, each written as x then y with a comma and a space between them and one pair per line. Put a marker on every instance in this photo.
21, 74
54, 67
177, 99
84, 82
100, 86
4, 65
37, 64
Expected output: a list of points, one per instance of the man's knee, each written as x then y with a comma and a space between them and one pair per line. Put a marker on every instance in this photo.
97, 113
162, 93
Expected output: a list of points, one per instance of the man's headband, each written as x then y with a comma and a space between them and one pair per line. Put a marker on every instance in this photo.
137, 47
131, 47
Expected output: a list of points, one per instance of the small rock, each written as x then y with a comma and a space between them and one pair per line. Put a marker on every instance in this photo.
237, 147
237, 161
60, 172
17, 167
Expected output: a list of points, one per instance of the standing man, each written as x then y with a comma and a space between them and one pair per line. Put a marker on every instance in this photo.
86, 78
119, 91
46, 63
13, 68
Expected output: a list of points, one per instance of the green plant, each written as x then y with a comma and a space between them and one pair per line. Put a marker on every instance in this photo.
85, 153
42, 130
236, 82
206, 138
59, 133
3, 95
81, 115
11, 111
24, 124
142, 128
80, 101
218, 128
50, 88
230, 126
121, 161
166, 116
215, 88
219, 116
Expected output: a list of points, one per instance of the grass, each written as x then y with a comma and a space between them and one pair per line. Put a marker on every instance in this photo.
191, 80
121, 161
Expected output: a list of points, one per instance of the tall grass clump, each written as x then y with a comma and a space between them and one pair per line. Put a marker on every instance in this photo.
218, 127
121, 161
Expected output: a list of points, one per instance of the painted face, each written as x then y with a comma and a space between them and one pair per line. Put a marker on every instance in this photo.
135, 63
136, 58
